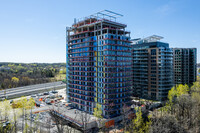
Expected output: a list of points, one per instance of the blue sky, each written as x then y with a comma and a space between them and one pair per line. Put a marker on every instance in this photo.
34, 30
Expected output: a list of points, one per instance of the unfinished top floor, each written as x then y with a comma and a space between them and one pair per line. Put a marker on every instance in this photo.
104, 16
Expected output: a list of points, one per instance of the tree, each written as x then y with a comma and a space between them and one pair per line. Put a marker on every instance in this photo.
5, 109
2, 86
62, 71
98, 111
5, 114
16, 115
166, 124
6, 82
182, 90
138, 124
85, 119
25, 80
125, 111
23, 105
177, 91
98, 114
15, 81
195, 87
184, 107
26, 74
198, 78
36, 124
30, 105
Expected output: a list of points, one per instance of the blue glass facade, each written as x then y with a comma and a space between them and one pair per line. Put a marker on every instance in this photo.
99, 66
152, 70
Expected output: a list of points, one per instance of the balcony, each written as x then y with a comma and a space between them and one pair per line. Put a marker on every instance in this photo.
115, 98
114, 93
125, 45
82, 90
76, 97
118, 87
85, 95
81, 32
118, 40
82, 85
80, 103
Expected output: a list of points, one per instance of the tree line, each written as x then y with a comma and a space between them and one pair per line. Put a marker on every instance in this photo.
181, 113
21, 74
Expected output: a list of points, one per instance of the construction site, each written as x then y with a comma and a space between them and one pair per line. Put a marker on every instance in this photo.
99, 64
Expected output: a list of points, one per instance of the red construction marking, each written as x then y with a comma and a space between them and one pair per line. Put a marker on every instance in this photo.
110, 123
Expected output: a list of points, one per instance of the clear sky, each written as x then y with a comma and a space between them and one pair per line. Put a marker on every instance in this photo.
34, 30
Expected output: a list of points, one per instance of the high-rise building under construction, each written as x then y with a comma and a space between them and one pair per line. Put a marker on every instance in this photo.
99, 63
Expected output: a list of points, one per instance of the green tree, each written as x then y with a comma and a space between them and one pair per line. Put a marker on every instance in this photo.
138, 124
98, 111
5, 109
2, 86
172, 94
177, 91
23, 102
25, 80
182, 90
15, 81
7, 82
195, 87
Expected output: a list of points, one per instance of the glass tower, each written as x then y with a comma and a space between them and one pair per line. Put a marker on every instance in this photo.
152, 68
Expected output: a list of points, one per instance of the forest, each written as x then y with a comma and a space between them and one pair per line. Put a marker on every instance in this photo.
22, 74
180, 114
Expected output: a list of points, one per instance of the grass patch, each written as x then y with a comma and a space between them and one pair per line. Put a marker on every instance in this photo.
59, 77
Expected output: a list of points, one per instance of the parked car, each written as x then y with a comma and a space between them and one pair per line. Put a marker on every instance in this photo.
33, 96
46, 93
54, 91
40, 94
11, 101
48, 101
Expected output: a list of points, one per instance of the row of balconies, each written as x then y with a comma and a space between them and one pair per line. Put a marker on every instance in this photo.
88, 99
124, 45
85, 90
81, 94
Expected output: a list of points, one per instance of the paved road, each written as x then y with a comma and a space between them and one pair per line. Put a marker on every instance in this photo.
31, 88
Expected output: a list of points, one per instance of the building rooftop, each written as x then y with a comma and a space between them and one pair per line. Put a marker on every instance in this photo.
153, 38
104, 15
184, 48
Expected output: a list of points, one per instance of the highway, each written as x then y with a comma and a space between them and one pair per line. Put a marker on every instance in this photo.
31, 89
